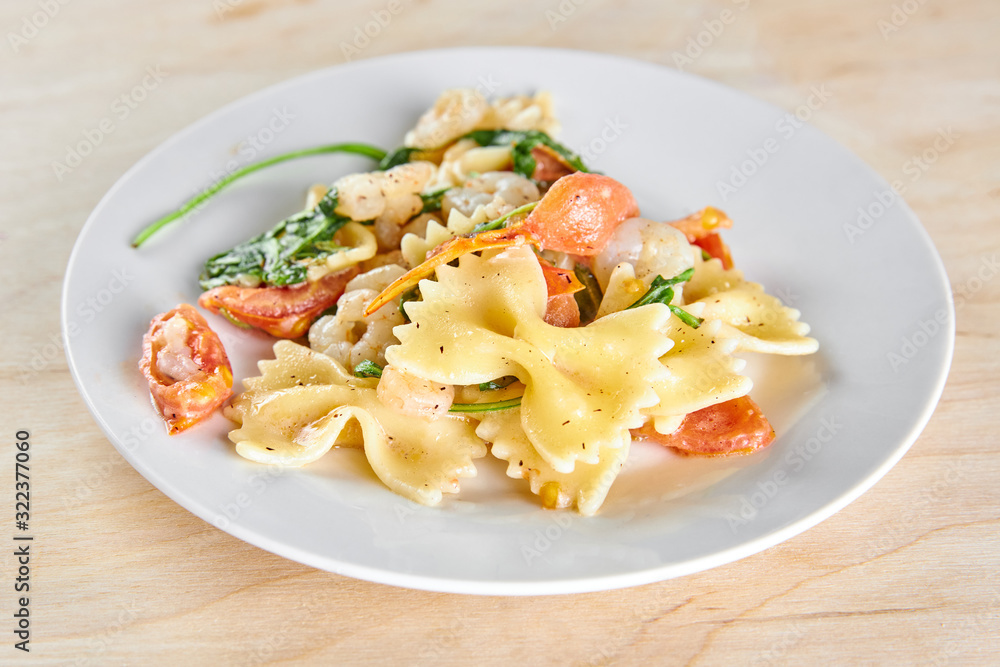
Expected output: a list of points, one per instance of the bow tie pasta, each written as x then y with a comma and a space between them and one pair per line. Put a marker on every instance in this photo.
584, 387
304, 403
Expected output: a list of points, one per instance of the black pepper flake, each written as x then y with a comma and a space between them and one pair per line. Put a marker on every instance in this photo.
583, 444
418, 325
442, 349
565, 422
270, 449
520, 463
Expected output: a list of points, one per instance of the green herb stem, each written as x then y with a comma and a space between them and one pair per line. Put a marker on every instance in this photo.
486, 407
502, 220
355, 148
661, 291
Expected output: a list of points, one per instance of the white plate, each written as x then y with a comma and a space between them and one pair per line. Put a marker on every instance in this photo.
844, 416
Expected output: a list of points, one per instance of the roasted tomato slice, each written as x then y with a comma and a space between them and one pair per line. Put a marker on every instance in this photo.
580, 212
702, 229
549, 165
716, 247
187, 368
733, 427
561, 309
283, 312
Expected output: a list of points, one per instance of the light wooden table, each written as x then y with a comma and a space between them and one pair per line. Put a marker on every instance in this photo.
121, 575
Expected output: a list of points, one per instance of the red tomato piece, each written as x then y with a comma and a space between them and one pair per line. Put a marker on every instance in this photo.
724, 429
549, 165
283, 312
708, 220
187, 368
561, 310
559, 281
716, 247
580, 212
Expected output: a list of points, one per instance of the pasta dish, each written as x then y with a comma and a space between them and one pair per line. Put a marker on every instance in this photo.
479, 293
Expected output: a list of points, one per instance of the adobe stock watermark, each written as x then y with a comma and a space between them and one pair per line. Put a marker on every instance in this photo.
223, 7
364, 34
259, 483
86, 312
247, 150
609, 134
785, 127
795, 460
925, 330
445, 639
777, 652
563, 11
270, 647
544, 538
121, 108
899, 17
33, 24
914, 167
131, 441
983, 623
712, 29
100, 642
909, 516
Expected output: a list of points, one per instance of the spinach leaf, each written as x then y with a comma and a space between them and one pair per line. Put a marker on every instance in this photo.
368, 369
499, 383
281, 255
588, 300
522, 143
397, 157
432, 200
661, 291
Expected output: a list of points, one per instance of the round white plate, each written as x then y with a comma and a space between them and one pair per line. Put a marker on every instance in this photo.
812, 223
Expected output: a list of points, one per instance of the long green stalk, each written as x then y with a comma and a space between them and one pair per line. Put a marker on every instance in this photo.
358, 149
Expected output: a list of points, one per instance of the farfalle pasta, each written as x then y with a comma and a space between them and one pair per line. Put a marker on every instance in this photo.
481, 294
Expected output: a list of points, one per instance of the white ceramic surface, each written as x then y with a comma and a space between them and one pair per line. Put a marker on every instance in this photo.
844, 416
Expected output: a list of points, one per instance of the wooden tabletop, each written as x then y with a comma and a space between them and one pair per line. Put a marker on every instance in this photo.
120, 574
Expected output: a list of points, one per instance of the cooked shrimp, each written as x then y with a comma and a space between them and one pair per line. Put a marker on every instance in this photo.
651, 247
350, 337
414, 396
367, 196
455, 113
499, 192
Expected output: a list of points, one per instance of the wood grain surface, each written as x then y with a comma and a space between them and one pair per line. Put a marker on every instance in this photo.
907, 574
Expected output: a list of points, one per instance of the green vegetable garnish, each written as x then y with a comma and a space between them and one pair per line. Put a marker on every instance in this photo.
588, 300
485, 407
355, 148
661, 291
432, 200
405, 297
397, 157
368, 369
523, 142
281, 255
502, 220
499, 383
